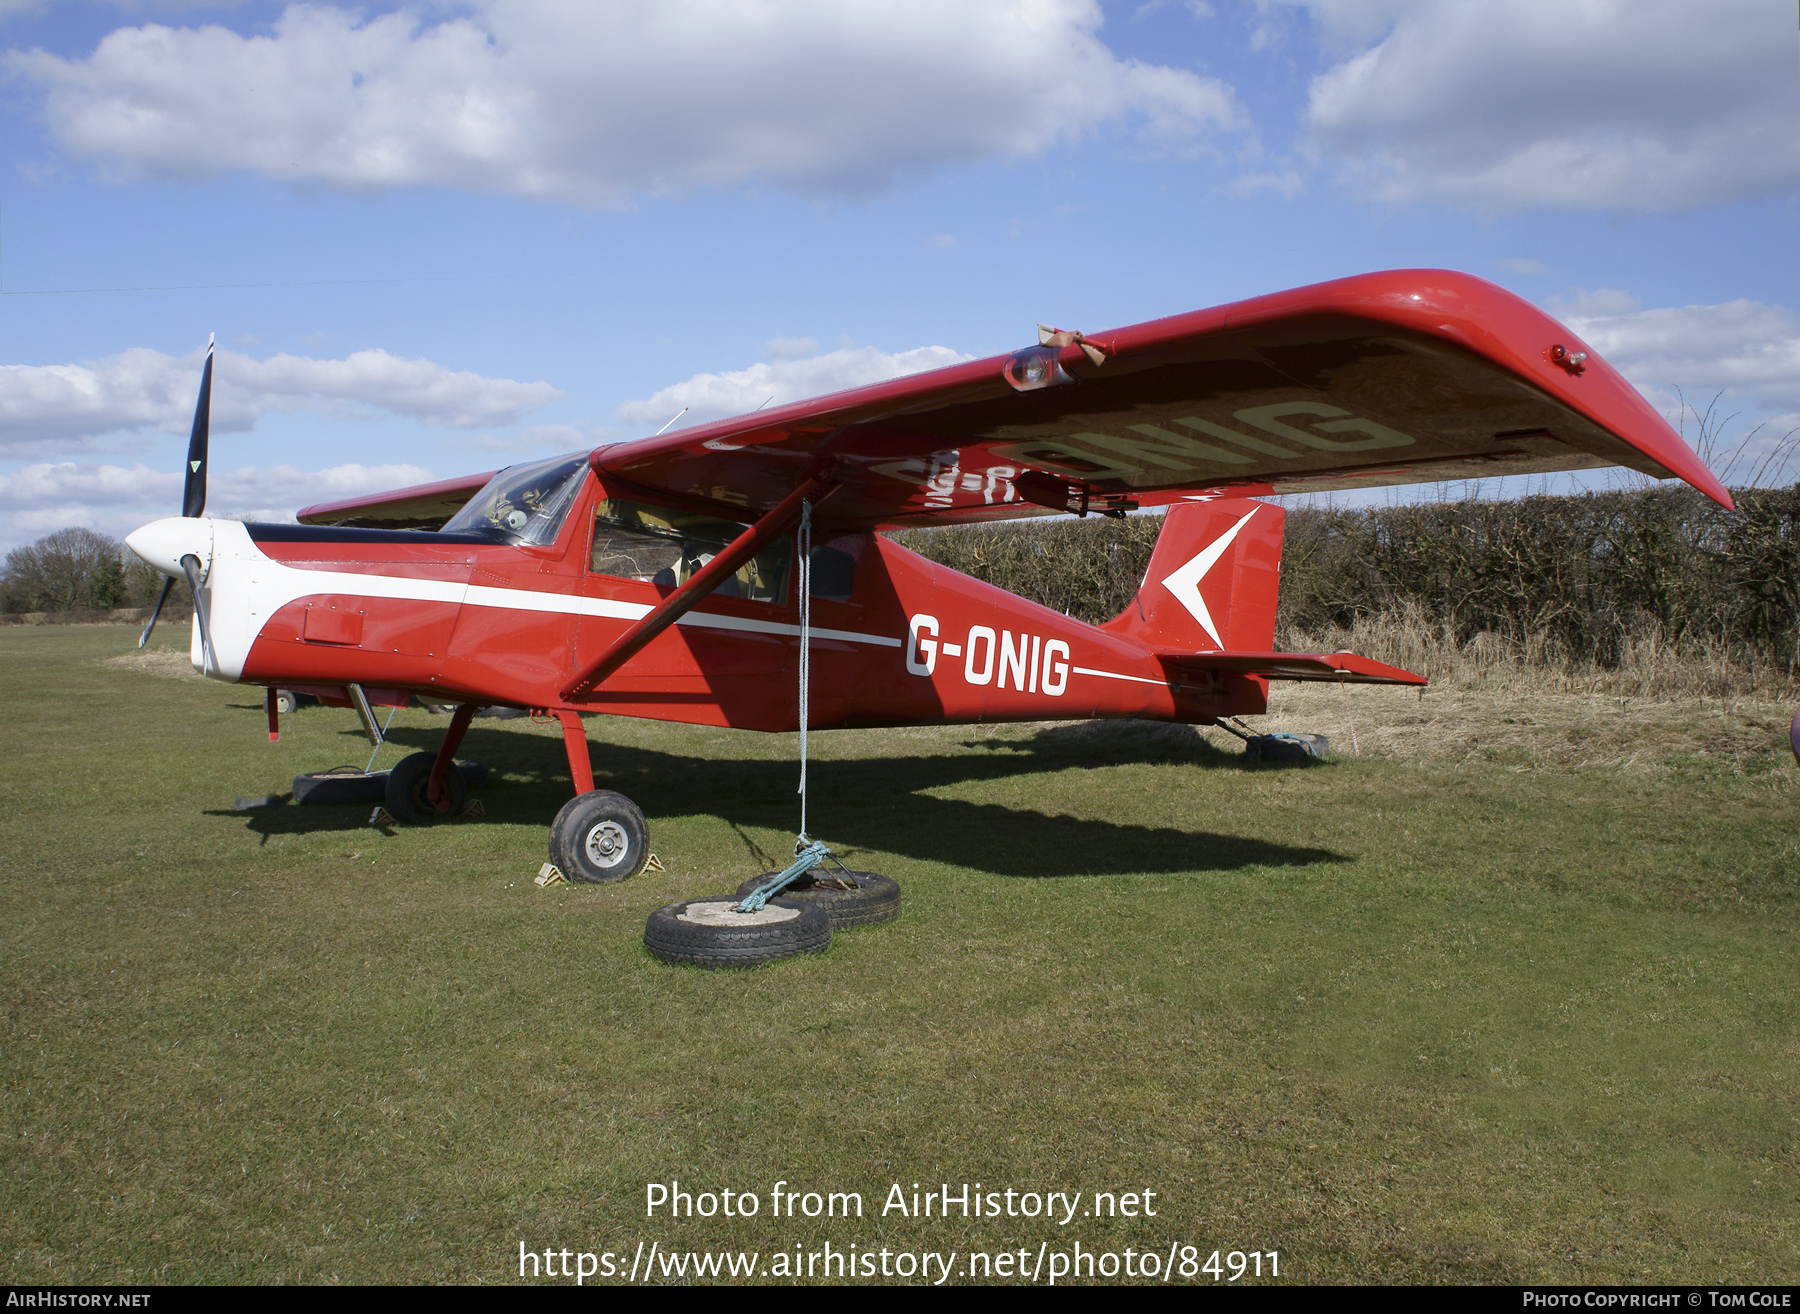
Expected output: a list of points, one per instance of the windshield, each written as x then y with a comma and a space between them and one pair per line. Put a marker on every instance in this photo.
523, 503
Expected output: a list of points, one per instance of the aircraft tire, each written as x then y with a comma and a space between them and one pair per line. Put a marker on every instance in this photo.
875, 898
709, 932
406, 787
600, 837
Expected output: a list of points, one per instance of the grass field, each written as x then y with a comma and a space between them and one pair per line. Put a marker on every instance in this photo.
1507, 995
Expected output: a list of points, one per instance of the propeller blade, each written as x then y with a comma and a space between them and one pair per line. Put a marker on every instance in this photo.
168, 583
191, 564
193, 496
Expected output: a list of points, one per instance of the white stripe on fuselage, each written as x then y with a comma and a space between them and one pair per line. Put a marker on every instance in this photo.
1113, 675
249, 590
569, 603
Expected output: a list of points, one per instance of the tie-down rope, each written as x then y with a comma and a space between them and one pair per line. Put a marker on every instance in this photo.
804, 544
808, 853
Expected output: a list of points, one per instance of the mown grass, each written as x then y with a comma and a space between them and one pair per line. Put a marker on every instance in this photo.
1489, 1002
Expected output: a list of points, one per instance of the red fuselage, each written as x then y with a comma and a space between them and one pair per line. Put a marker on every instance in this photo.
453, 618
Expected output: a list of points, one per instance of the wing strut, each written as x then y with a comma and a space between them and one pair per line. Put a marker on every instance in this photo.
701, 583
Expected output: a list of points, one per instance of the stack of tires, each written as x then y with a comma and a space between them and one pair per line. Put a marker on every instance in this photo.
711, 932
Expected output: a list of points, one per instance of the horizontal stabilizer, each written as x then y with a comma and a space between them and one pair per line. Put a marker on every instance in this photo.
1337, 667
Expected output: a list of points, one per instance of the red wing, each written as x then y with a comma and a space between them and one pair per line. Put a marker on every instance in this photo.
1402, 377
423, 506
1336, 667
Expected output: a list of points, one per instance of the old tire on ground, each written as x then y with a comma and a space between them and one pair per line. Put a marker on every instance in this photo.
875, 898
349, 784
710, 932
406, 786
1282, 749
599, 837
345, 784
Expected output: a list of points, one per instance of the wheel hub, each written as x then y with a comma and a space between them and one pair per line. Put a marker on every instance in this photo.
607, 844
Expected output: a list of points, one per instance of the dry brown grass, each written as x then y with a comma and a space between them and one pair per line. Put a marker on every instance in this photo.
166, 662
1538, 727
1649, 668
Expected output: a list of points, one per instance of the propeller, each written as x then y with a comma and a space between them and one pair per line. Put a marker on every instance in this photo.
193, 502
1055, 337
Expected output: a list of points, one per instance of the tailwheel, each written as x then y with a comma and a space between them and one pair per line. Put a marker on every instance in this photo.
711, 932
599, 837
408, 785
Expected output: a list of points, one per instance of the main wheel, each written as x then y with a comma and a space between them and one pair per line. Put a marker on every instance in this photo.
712, 933
869, 900
406, 786
599, 836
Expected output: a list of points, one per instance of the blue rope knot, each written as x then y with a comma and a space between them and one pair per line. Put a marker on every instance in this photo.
805, 860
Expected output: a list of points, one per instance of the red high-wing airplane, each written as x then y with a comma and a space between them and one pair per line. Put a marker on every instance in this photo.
657, 578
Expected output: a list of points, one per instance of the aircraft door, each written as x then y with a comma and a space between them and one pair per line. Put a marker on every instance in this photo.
726, 660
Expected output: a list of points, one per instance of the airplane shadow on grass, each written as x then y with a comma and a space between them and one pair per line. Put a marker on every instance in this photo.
881, 804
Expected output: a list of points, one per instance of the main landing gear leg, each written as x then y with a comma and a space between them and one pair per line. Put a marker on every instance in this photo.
446, 754
424, 787
599, 836
581, 769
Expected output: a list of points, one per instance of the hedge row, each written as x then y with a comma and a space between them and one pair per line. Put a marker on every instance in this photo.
1578, 577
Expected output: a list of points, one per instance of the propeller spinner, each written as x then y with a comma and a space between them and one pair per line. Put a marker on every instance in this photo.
172, 547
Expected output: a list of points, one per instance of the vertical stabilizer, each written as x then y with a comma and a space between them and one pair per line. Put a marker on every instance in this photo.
1212, 581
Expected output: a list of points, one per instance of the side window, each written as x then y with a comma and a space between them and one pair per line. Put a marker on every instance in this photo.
834, 566
633, 556
660, 546
833, 574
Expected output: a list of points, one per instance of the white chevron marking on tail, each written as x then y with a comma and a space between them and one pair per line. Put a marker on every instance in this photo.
1185, 583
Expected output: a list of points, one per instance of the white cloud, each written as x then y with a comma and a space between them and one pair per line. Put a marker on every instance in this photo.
788, 348
55, 406
1744, 348
602, 104
1716, 372
40, 499
735, 392
1285, 184
1656, 105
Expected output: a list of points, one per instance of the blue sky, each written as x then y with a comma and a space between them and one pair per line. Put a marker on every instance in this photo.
450, 236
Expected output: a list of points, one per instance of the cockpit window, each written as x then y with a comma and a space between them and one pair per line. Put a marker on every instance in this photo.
666, 547
523, 503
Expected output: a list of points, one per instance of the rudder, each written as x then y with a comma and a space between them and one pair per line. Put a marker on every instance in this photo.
1212, 582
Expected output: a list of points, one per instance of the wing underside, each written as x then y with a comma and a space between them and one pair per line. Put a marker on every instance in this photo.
1406, 377
1412, 376
423, 506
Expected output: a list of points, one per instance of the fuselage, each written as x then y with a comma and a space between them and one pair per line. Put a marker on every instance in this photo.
460, 618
